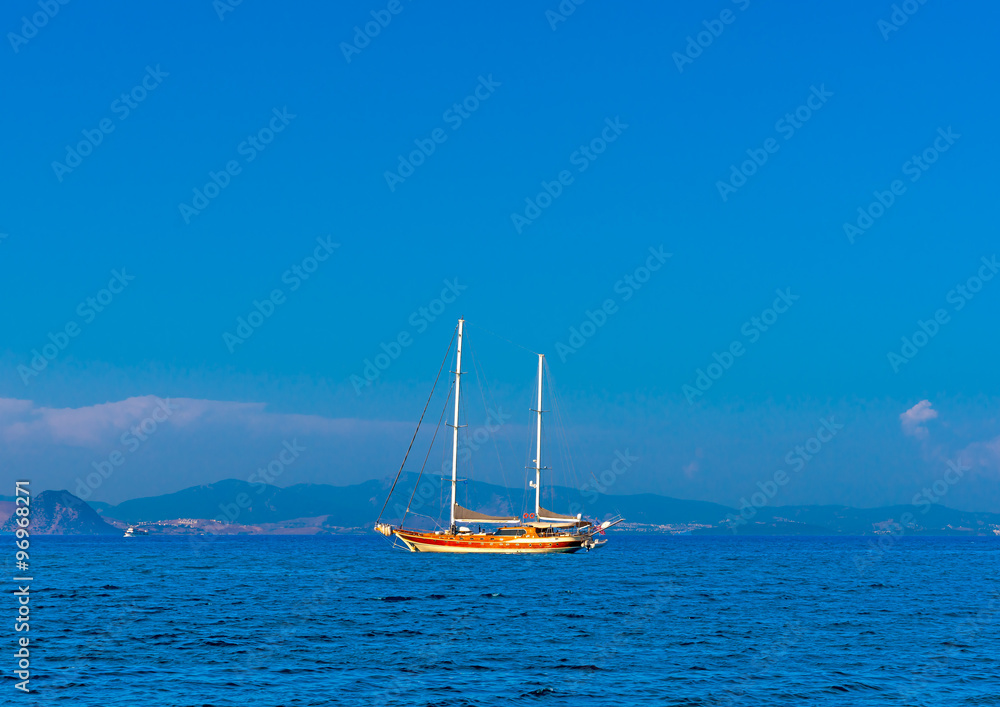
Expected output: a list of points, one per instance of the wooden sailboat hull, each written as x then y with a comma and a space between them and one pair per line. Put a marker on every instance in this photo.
431, 542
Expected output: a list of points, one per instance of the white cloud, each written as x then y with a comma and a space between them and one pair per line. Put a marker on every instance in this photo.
22, 422
912, 420
694, 466
983, 454
97, 426
200, 441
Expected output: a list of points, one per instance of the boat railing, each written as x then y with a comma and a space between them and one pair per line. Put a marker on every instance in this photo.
599, 528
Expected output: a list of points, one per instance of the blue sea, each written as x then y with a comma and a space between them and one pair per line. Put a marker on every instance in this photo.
646, 620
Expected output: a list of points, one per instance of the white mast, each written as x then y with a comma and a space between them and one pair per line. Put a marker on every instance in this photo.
538, 446
454, 441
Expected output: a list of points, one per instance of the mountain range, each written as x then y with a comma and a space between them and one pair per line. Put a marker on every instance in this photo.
238, 506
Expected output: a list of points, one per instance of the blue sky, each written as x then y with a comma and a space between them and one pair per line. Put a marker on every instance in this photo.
212, 86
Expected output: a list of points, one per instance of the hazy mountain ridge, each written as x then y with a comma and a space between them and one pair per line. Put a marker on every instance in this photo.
241, 502
358, 505
58, 513
238, 506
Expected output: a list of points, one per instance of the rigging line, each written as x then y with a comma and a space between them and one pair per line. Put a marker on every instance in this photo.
496, 446
437, 429
432, 520
548, 435
504, 338
561, 427
462, 439
483, 389
565, 429
569, 457
527, 456
447, 353
467, 439
510, 448
463, 413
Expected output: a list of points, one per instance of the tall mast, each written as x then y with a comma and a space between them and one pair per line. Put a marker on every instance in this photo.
538, 445
454, 440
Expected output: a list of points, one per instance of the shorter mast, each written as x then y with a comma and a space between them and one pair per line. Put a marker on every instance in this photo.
538, 445
454, 440
542, 514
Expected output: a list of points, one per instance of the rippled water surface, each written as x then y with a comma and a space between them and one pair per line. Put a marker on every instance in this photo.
664, 620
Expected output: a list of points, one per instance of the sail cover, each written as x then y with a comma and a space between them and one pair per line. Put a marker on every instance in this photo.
552, 515
468, 515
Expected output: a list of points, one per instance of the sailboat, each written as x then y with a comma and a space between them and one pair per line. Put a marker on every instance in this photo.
541, 532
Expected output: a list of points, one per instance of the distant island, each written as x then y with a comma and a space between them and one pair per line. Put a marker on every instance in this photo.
233, 507
57, 513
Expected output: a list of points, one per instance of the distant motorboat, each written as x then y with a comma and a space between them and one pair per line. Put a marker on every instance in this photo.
132, 531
